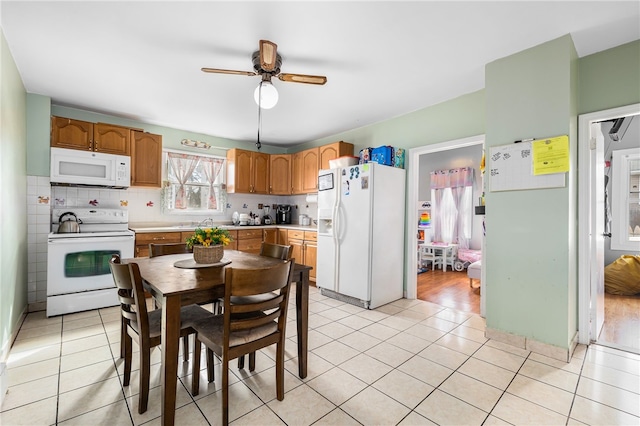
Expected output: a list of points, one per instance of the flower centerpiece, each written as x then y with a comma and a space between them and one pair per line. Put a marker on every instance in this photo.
208, 243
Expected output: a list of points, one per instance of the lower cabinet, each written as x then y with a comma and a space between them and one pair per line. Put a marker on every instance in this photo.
144, 239
250, 240
304, 249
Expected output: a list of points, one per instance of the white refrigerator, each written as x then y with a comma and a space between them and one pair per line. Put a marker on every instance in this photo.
361, 212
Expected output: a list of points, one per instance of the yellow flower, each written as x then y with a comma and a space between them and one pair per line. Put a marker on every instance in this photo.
208, 237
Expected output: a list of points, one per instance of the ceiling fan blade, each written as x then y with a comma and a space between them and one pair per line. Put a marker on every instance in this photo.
268, 55
219, 71
303, 78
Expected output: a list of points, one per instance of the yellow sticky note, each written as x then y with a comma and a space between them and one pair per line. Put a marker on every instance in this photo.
551, 155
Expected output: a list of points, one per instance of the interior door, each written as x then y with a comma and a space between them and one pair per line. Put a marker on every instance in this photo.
597, 231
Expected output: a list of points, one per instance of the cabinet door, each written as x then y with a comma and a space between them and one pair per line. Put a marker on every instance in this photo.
280, 174
297, 251
111, 139
260, 173
310, 258
310, 170
296, 173
233, 245
333, 151
282, 237
71, 134
238, 171
270, 235
146, 159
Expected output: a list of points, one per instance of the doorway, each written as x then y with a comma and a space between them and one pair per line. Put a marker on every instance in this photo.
437, 277
604, 318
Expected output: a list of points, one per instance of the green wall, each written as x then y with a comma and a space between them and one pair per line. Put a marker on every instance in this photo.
530, 252
13, 210
610, 79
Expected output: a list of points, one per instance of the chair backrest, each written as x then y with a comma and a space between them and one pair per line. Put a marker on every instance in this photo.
131, 294
277, 251
170, 248
271, 285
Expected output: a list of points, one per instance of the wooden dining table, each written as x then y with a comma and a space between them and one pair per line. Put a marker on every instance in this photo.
173, 287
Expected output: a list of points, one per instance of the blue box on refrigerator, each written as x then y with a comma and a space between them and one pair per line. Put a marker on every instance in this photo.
382, 155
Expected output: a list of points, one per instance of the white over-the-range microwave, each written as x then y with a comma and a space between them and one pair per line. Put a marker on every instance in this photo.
76, 167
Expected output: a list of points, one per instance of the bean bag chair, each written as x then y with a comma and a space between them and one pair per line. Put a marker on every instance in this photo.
623, 276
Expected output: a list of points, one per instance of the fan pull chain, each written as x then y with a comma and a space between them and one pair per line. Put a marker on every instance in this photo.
258, 144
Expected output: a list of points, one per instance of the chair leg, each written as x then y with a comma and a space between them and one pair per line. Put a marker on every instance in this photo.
125, 348
252, 361
145, 361
123, 334
195, 372
240, 362
280, 371
225, 390
210, 372
185, 348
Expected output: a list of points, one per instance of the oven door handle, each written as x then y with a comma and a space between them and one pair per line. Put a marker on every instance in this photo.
75, 240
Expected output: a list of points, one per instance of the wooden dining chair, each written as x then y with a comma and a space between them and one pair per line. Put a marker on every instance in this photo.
142, 325
180, 248
276, 251
233, 334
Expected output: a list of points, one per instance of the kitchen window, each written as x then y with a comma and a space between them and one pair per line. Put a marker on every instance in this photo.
194, 183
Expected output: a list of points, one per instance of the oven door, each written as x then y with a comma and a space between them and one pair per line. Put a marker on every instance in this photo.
82, 264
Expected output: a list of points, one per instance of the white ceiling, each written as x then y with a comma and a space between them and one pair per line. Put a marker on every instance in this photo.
141, 60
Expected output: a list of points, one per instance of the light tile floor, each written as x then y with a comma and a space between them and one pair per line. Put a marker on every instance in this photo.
407, 363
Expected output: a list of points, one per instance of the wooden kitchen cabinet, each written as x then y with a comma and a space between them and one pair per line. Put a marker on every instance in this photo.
143, 240
250, 240
247, 172
333, 151
71, 134
304, 171
270, 235
304, 249
280, 174
98, 137
146, 159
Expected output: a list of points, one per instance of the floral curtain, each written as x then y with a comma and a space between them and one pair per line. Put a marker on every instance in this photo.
212, 167
451, 215
183, 166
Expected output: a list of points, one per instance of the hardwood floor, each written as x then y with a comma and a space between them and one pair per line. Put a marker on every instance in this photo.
621, 327
450, 289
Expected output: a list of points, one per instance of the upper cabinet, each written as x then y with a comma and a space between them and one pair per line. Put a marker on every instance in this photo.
304, 171
280, 174
98, 137
333, 151
146, 159
247, 172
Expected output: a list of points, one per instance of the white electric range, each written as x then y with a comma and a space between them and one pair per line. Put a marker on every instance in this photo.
78, 274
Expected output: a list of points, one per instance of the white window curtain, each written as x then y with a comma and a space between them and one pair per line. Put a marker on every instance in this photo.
183, 166
451, 205
212, 168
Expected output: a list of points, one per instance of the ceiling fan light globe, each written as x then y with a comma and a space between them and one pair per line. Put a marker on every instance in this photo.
269, 95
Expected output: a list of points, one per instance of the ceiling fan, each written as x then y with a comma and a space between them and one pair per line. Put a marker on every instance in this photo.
266, 63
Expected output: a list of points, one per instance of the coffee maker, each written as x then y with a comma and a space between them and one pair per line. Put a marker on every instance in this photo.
283, 214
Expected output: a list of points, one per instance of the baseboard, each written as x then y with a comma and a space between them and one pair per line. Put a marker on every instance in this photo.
4, 355
551, 351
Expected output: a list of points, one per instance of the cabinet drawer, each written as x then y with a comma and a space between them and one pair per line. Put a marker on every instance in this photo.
244, 234
251, 244
158, 237
310, 236
295, 234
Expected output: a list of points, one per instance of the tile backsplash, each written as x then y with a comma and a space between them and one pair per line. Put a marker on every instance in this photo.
144, 205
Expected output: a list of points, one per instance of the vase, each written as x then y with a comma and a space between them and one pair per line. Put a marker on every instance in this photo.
210, 254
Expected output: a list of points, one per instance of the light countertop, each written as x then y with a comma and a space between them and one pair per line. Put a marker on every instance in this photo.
145, 227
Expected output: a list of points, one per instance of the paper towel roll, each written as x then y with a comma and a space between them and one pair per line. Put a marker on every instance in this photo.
312, 198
